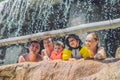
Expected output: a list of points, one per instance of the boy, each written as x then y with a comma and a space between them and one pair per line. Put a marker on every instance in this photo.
58, 50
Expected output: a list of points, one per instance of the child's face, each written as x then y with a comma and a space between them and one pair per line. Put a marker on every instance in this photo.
58, 48
73, 42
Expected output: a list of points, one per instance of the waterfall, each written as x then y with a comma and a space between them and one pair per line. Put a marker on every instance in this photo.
20, 17
23, 17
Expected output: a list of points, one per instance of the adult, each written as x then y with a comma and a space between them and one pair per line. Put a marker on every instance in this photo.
92, 41
33, 54
48, 48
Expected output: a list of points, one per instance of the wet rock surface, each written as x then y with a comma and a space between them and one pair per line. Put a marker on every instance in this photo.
62, 70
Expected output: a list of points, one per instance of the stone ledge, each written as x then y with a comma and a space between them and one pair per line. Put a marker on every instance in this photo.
62, 70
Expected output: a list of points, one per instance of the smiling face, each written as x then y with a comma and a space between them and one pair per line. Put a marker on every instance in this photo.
74, 43
91, 41
58, 48
48, 44
34, 48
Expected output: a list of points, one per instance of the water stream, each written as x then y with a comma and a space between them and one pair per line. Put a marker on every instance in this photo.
22, 17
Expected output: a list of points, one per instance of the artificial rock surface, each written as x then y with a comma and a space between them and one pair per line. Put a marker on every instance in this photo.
62, 70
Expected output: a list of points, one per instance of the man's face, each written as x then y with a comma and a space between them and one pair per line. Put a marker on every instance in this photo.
34, 48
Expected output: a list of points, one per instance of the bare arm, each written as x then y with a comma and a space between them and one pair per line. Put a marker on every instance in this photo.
101, 54
44, 55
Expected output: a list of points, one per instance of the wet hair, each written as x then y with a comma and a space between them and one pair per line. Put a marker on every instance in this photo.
59, 43
95, 36
34, 42
42, 42
48, 38
73, 36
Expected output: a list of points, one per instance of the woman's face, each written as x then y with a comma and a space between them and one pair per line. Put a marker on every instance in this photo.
48, 44
90, 42
34, 48
73, 42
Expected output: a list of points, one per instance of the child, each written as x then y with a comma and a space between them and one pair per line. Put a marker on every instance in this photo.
75, 50
58, 50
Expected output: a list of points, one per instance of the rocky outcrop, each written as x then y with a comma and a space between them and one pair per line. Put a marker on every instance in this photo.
117, 54
22, 17
63, 70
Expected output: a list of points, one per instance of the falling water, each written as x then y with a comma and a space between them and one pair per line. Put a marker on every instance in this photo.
22, 17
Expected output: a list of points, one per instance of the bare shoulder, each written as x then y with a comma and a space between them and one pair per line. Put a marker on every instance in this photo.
22, 58
39, 58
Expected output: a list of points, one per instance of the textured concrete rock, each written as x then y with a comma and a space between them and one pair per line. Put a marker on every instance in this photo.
63, 70
117, 55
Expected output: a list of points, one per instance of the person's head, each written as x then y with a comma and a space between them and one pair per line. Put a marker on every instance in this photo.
34, 47
48, 43
73, 41
58, 46
92, 40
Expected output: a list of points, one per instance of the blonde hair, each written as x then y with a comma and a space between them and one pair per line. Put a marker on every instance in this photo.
95, 36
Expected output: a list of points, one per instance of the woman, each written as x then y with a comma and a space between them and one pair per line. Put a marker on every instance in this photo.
91, 43
33, 55
75, 50
48, 48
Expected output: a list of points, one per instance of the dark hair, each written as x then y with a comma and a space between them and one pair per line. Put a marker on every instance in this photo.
73, 36
34, 42
42, 42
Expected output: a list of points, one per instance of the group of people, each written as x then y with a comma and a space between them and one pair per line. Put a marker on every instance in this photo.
73, 49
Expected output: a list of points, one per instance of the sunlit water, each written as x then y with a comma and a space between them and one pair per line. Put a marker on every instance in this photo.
22, 17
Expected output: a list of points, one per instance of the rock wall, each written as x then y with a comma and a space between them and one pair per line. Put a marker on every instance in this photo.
117, 53
63, 70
